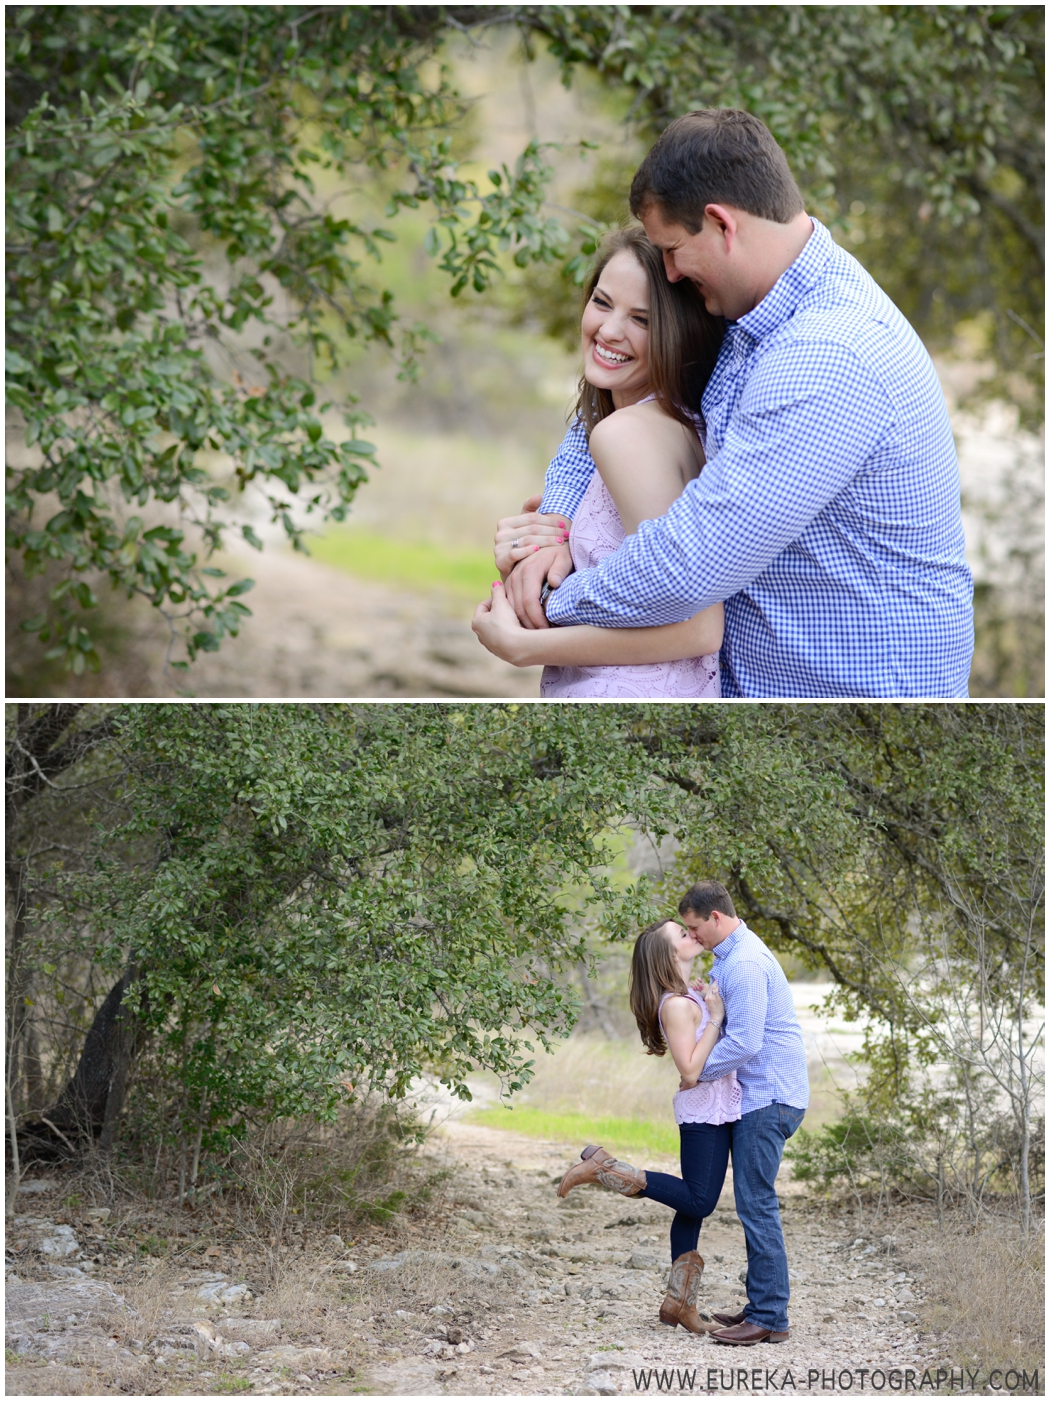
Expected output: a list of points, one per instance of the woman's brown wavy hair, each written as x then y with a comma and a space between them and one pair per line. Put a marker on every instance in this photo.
684, 338
654, 971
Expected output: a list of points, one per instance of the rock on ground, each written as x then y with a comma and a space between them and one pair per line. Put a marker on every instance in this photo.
64, 1320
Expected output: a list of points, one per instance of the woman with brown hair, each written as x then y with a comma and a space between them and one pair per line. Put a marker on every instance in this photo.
649, 346
683, 1015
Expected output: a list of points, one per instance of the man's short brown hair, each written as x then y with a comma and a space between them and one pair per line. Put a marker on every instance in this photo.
704, 897
715, 156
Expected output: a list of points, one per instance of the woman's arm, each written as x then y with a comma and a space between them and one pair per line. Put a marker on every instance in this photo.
690, 1055
497, 625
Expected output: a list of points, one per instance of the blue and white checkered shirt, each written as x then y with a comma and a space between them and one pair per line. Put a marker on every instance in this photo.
762, 1041
828, 515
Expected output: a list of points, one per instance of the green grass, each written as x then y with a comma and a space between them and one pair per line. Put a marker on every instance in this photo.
466, 573
617, 1135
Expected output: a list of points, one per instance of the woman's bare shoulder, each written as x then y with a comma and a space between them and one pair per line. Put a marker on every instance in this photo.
680, 1006
643, 428
647, 416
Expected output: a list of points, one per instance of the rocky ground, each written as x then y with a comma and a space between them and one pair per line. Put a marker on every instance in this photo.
501, 1289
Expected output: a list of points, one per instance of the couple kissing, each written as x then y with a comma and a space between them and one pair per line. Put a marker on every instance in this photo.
744, 1090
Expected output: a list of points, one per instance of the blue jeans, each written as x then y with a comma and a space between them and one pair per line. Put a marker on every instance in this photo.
758, 1144
694, 1195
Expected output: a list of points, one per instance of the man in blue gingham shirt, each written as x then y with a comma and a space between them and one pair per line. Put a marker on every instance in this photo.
828, 515
763, 1044
762, 1040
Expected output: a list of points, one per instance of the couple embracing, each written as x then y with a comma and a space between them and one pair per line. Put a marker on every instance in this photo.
744, 1090
759, 493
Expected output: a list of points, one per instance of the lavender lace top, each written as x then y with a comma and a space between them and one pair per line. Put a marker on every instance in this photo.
715, 1101
597, 531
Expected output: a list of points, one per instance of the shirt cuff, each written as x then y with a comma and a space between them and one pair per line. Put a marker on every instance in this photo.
560, 499
560, 602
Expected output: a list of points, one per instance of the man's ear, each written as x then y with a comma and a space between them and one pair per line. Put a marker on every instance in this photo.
726, 222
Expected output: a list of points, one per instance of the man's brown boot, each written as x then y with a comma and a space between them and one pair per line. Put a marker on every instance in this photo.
748, 1334
729, 1320
601, 1167
679, 1305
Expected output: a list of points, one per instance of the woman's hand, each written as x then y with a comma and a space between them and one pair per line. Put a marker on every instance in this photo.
685, 1084
715, 1005
517, 537
497, 626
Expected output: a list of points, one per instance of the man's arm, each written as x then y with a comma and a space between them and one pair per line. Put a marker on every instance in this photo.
809, 418
568, 477
745, 1023
568, 474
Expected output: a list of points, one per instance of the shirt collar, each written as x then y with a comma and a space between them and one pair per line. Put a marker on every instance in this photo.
791, 286
729, 942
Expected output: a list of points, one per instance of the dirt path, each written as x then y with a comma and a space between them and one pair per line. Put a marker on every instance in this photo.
495, 1288
318, 632
585, 1321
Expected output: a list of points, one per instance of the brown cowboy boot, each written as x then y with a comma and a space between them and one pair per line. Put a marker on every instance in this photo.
729, 1320
679, 1305
601, 1167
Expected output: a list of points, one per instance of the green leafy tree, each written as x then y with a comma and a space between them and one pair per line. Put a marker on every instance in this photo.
135, 129
295, 905
251, 909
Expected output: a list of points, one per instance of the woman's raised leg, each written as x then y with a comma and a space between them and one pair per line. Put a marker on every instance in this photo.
694, 1195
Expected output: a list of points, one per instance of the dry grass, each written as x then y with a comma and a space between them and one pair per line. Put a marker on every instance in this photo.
603, 1079
598, 1078
277, 1216
987, 1295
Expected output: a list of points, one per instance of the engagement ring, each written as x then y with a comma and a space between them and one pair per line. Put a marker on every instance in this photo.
515, 544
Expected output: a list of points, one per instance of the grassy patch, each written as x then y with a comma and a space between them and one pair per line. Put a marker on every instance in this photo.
617, 1135
465, 573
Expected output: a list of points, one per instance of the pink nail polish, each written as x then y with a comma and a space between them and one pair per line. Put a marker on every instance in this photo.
535, 548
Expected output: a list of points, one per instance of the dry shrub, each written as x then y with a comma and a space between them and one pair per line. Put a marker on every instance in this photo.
987, 1295
148, 1292
329, 1173
421, 1284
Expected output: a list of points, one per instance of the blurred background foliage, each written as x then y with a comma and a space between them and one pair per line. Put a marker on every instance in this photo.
233, 233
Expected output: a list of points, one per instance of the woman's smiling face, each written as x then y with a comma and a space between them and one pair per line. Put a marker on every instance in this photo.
615, 331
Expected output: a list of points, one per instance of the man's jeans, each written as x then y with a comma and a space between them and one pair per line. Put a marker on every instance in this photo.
758, 1144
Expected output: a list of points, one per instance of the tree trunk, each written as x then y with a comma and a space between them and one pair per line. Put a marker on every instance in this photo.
17, 977
89, 1107
596, 1005
43, 744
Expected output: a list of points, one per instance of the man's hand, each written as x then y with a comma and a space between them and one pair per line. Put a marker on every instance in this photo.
518, 537
525, 582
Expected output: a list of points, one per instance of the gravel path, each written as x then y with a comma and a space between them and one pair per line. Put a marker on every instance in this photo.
585, 1321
